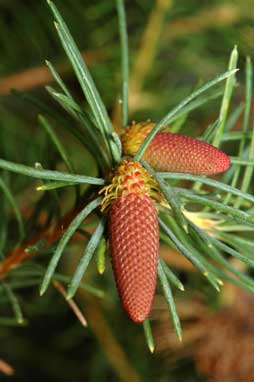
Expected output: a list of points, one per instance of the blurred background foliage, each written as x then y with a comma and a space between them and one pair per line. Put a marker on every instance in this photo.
174, 45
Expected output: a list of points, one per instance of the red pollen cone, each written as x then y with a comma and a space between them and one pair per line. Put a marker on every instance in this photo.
179, 153
175, 152
134, 244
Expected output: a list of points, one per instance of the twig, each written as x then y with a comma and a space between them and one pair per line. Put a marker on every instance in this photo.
215, 17
6, 368
20, 253
40, 76
74, 307
112, 348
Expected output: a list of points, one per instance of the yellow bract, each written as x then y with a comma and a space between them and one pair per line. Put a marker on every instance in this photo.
129, 177
135, 135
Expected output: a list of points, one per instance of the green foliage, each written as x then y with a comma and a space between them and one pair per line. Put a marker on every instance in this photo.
80, 125
125, 61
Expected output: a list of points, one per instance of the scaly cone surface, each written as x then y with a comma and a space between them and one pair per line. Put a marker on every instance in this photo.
175, 152
133, 236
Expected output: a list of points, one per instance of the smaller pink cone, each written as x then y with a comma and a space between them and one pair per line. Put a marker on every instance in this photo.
178, 153
175, 152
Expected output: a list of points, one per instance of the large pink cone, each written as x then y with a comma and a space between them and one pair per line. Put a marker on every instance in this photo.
134, 244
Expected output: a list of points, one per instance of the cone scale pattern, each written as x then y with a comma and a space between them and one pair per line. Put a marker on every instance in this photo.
134, 248
175, 152
133, 237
